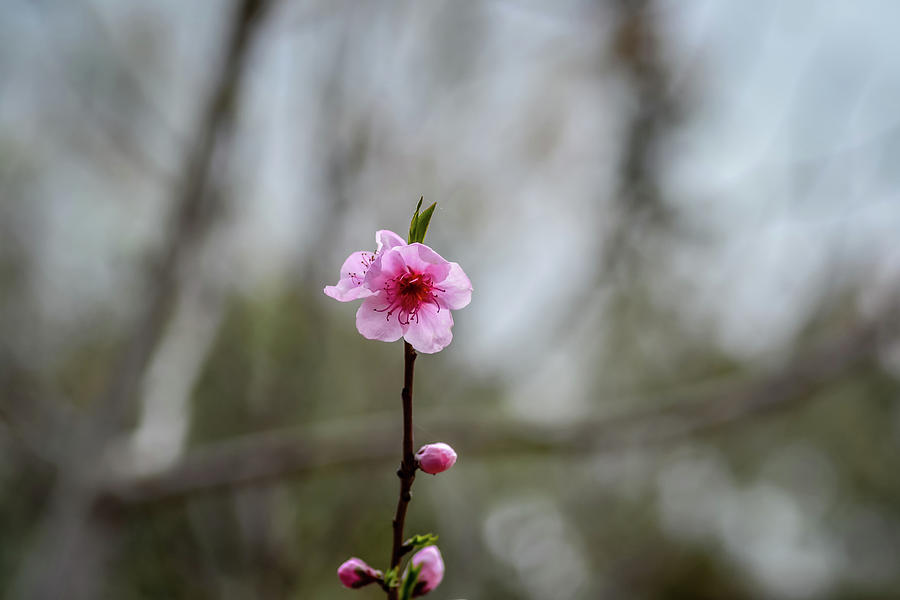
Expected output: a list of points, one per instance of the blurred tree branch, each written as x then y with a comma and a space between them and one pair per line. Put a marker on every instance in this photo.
195, 207
75, 542
639, 209
274, 455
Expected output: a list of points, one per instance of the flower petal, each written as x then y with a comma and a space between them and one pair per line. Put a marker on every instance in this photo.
387, 239
429, 331
432, 573
457, 288
353, 273
374, 324
346, 295
387, 265
426, 260
415, 258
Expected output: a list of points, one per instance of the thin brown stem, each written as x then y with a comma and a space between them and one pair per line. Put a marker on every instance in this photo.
407, 471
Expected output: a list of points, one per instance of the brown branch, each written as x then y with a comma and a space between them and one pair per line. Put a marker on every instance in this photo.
407, 471
275, 455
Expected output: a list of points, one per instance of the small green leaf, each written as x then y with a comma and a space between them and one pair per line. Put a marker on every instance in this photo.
392, 577
422, 223
409, 584
413, 224
420, 540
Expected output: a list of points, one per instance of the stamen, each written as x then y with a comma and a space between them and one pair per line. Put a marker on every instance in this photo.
366, 262
405, 294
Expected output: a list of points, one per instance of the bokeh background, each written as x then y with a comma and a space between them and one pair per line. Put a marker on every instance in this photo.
679, 376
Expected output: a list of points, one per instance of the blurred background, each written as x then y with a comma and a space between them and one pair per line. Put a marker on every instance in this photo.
679, 376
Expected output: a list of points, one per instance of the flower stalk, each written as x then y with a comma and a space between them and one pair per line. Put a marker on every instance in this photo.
407, 471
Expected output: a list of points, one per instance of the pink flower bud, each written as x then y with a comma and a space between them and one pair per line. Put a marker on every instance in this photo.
429, 558
355, 573
435, 458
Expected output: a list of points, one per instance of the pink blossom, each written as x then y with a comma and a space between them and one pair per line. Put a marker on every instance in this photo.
408, 290
355, 573
353, 271
432, 570
436, 458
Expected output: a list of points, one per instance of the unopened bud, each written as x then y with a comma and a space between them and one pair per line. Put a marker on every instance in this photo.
355, 573
435, 458
429, 559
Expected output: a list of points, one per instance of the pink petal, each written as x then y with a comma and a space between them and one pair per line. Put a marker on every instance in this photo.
457, 288
387, 265
429, 331
423, 259
387, 239
349, 287
344, 294
416, 258
374, 324
432, 573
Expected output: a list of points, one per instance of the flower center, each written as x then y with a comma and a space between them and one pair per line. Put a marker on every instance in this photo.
407, 293
413, 290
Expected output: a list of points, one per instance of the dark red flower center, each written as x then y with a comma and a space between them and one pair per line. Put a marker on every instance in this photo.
407, 293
